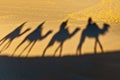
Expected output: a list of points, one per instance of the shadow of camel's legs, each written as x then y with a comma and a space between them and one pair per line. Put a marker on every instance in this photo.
61, 48
95, 47
56, 50
18, 47
2, 41
52, 41
82, 40
9, 43
44, 51
24, 49
30, 48
100, 46
6, 46
78, 51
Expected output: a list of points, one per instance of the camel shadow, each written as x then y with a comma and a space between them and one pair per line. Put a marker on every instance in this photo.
11, 36
61, 36
92, 30
32, 38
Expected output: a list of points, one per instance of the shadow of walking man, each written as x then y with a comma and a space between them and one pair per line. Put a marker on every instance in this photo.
11, 36
92, 31
33, 37
61, 36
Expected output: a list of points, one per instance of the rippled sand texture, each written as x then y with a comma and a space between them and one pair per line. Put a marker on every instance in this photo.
105, 10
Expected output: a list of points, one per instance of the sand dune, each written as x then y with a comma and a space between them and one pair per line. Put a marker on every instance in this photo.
106, 10
13, 13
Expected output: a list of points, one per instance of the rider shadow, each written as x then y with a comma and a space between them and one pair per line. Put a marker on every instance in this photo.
32, 38
61, 36
92, 30
11, 36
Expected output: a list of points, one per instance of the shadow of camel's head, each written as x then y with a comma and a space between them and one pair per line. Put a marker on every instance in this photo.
106, 26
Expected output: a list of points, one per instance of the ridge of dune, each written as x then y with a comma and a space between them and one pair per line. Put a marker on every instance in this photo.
105, 10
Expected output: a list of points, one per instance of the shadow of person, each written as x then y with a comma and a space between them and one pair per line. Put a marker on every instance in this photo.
33, 37
61, 36
11, 36
92, 31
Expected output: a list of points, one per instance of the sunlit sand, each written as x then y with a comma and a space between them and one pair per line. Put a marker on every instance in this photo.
54, 12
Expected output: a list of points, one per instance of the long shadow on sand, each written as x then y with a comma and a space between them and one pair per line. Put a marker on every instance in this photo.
32, 38
92, 30
12, 36
85, 67
61, 36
